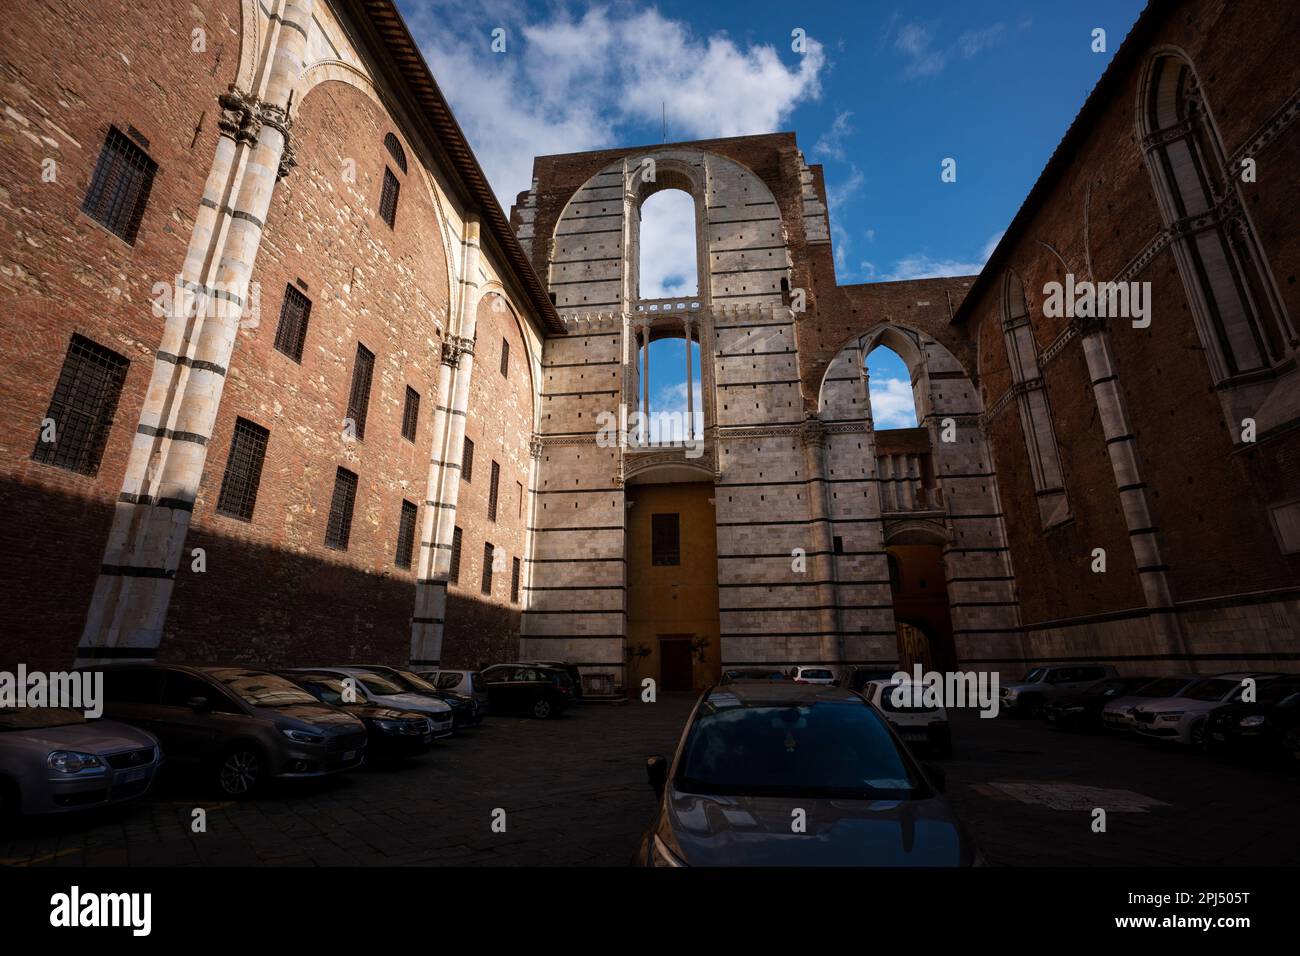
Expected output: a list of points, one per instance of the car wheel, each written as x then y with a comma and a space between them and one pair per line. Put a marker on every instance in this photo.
1197, 735
241, 771
542, 708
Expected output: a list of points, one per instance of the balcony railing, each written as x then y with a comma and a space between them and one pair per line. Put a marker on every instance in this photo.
688, 304
907, 482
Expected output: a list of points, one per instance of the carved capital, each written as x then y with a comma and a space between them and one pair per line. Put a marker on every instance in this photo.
535, 447
239, 119
812, 433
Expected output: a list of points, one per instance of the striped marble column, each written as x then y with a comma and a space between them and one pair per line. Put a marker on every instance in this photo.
152, 516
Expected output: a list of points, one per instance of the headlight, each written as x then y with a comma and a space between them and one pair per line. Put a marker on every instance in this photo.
389, 726
1073, 710
302, 736
1254, 720
660, 855
72, 761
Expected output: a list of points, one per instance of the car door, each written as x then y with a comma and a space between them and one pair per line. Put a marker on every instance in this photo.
131, 695
198, 736
496, 682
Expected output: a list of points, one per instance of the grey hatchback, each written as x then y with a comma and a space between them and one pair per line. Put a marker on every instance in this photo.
237, 726
54, 760
782, 774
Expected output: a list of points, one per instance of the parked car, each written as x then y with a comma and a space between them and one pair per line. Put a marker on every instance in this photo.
915, 721
1082, 711
812, 674
239, 727
1182, 719
467, 683
753, 673
391, 732
1268, 729
571, 669
464, 707
381, 689
54, 760
527, 689
859, 677
1028, 695
1118, 714
753, 753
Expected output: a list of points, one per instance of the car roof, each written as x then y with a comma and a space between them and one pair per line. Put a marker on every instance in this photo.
777, 693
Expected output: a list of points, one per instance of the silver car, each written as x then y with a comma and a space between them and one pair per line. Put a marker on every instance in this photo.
1041, 684
54, 760
380, 689
1118, 714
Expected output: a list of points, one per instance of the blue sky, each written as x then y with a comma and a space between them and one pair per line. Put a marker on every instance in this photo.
880, 96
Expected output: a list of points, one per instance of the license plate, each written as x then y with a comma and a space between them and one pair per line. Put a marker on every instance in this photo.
349, 755
428, 738
131, 776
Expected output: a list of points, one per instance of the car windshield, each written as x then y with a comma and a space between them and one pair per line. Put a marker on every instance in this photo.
328, 689
826, 748
259, 689
912, 702
1033, 677
412, 681
38, 718
1276, 691
1212, 689
816, 674
1107, 688
1164, 687
380, 683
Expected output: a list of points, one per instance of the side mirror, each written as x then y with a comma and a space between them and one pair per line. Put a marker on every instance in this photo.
937, 776
199, 705
656, 770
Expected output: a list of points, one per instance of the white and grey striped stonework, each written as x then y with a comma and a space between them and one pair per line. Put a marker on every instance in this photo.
167, 457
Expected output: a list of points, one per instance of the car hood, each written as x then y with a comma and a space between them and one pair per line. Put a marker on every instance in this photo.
321, 716
756, 831
413, 701
96, 737
1163, 705
1124, 703
1018, 687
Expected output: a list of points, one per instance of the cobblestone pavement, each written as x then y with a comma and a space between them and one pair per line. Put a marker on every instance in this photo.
574, 792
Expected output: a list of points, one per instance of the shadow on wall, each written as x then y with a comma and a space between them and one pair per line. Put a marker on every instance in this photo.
254, 604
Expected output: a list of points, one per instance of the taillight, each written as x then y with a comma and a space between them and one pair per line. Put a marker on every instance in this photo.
800, 680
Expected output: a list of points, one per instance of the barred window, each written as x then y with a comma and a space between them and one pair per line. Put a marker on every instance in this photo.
492, 491
119, 187
388, 201
665, 539
292, 330
243, 470
514, 580
406, 535
467, 461
453, 573
519, 487
487, 567
410, 414
81, 410
339, 528
395, 150
505, 359
363, 370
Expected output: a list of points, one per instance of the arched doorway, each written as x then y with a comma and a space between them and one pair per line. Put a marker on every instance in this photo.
922, 618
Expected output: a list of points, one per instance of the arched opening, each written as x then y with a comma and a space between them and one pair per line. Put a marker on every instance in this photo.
889, 386
1238, 313
668, 264
674, 412
919, 591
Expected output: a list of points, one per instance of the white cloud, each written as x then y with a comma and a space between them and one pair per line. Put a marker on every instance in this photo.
831, 142
920, 265
668, 258
921, 55
892, 404
567, 85
668, 408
